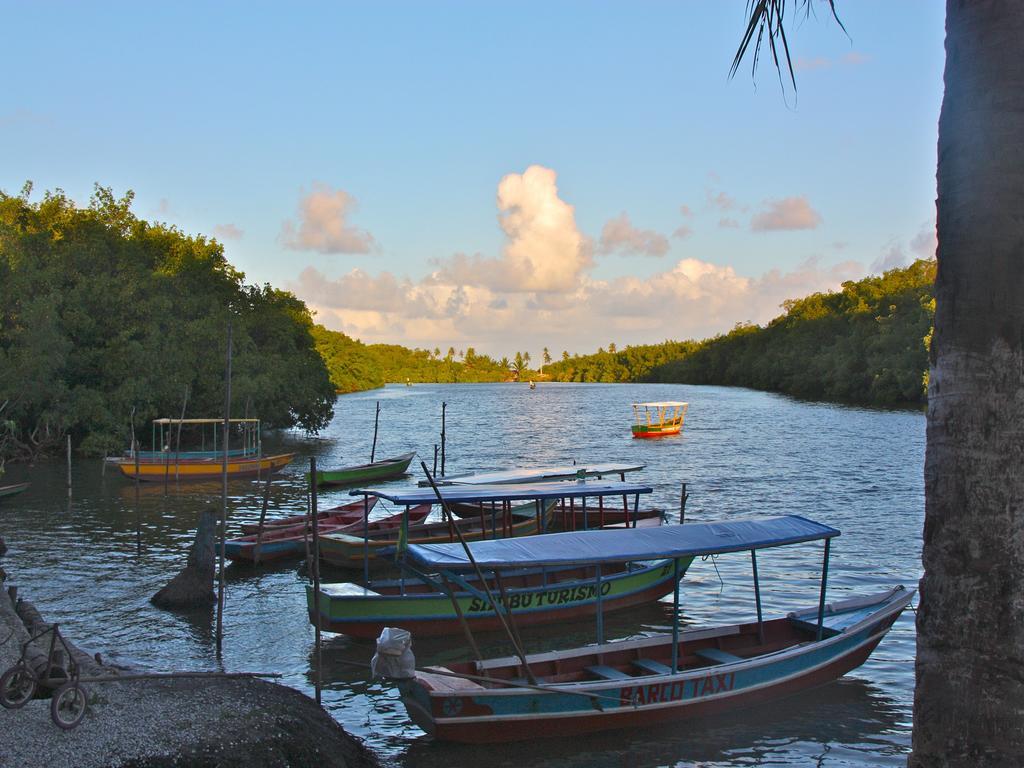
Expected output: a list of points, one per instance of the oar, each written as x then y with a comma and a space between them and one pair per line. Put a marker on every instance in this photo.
482, 679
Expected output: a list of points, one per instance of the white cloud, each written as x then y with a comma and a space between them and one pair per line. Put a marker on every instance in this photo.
691, 299
620, 236
544, 250
228, 232
324, 224
540, 290
785, 213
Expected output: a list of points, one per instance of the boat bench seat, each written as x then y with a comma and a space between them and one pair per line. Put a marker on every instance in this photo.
652, 667
716, 656
609, 673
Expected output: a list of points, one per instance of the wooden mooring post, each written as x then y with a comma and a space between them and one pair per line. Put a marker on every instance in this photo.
444, 407
314, 566
376, 421
224, 496
683, 496
69, 466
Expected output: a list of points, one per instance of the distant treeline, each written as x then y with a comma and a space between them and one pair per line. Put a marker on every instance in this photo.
864, 344
103, 314
354, 365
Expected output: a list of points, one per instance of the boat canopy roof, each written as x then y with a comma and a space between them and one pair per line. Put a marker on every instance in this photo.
622, 545
205, 421
661, 404
512, 492
536, 474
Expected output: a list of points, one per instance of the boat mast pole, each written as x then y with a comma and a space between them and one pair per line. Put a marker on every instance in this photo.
824, 579
479, 574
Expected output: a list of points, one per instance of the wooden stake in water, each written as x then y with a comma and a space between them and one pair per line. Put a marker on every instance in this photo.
263, 517
376, 420
683, 496
435, 458
444, 407
315, 565
69, 466
177, 446
224, 495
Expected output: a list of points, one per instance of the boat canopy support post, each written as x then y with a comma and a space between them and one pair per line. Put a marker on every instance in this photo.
483, 582
600, 606
757, 597
824, 581
675, 614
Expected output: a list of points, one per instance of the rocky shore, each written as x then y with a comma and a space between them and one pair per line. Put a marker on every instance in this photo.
153, 723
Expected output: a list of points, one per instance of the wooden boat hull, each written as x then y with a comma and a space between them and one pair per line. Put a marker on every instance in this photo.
349, 551
788, 661
11, 490
656, 430
343, 513
378, 470
202, 469
361, 612
291, 541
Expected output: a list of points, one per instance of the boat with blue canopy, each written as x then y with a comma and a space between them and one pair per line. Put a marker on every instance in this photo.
497, 516
432, 605
648, 680
539, 474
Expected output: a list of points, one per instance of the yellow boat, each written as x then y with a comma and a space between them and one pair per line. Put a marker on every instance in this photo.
163, 463
157, 470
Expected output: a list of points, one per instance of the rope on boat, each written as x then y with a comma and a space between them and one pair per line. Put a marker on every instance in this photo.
714, 562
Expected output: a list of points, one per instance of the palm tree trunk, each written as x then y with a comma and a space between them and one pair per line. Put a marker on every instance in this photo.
969, 700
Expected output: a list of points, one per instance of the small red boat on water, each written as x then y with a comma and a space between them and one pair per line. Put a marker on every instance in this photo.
290, 541
340, 515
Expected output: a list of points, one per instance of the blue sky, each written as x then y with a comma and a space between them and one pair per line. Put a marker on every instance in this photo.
380, 132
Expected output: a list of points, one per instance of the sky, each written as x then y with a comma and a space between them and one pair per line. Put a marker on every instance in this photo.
502, 176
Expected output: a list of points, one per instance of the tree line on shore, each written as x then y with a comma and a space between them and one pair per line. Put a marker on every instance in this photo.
107, 320
866, 343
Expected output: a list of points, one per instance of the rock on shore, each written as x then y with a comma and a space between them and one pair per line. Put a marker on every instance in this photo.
231, 723
158, 723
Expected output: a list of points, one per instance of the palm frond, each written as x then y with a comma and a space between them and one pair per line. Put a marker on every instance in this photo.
767, 19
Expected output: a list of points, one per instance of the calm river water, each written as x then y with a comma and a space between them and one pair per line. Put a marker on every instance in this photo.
92, 563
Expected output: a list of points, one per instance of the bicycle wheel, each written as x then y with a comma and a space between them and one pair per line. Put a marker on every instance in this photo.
67, 708
17, 686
